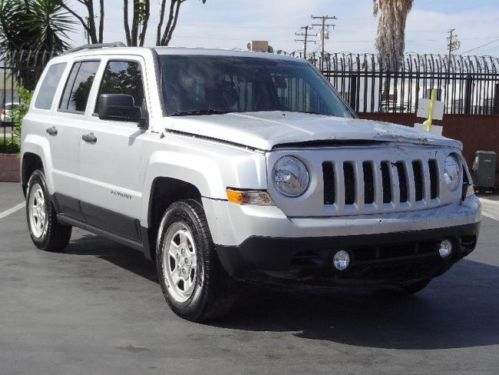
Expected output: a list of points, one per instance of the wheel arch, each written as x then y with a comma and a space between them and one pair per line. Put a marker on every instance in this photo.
36, 154
163, 192
30, 163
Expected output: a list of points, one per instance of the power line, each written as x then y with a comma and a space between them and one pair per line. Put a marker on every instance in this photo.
483, 45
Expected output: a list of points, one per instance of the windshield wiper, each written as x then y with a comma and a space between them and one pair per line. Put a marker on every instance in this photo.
200, 112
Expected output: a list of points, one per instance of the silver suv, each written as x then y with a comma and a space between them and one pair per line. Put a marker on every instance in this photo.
228, 166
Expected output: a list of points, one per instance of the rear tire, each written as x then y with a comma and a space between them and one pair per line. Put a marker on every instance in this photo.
45, 230
194, 283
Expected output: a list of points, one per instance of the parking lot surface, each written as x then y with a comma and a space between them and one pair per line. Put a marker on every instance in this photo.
98, 309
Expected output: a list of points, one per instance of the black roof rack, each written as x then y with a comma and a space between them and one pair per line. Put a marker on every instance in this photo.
95, 46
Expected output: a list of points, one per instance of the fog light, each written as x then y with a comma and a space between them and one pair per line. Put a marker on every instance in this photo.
445, 249
341, 260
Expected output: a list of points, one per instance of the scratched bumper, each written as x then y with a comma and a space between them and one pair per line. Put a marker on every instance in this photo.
232, 224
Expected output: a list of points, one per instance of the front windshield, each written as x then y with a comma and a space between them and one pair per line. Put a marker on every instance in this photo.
198, 84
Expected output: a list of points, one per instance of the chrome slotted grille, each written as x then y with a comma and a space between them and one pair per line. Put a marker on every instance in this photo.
380, 185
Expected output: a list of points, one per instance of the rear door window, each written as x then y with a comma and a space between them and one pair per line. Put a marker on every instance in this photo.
75, 96
49, 85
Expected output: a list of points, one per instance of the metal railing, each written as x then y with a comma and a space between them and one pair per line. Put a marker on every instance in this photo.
8, 96
468, 85
21, 67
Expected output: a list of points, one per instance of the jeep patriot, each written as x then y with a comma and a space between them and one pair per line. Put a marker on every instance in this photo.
225, 167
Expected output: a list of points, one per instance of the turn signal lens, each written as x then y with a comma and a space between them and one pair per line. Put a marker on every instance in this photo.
255, 197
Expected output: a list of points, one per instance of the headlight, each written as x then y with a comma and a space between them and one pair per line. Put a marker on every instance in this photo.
452, 172
290, 176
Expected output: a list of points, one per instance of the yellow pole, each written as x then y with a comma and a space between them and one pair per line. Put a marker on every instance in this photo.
433, 99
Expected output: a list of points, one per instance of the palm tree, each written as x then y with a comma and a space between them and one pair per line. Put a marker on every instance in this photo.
31, 32
390, 42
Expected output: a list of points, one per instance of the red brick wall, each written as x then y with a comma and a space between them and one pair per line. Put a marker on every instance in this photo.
476, 132
9, 168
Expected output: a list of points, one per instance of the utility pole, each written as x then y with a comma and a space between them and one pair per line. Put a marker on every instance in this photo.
324, 32
453, 44
305, 39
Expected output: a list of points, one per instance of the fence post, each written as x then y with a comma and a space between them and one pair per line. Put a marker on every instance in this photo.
468, 92
496, 100
353, 92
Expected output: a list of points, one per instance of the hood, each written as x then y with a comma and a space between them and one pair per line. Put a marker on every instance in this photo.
266, 130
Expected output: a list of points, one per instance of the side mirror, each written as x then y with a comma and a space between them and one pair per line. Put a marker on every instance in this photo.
118, 107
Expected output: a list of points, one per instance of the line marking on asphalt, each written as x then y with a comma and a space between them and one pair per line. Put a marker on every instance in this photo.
12, 210
490, 208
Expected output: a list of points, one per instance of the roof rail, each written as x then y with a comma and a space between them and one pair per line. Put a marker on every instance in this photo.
95, 46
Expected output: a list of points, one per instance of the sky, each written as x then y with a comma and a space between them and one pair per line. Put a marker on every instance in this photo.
231, 24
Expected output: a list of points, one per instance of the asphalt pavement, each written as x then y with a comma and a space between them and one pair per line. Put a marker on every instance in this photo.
98, 309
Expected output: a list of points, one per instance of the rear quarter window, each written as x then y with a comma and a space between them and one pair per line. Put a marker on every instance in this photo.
46, 93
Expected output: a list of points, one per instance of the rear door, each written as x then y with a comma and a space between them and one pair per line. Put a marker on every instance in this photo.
111, 156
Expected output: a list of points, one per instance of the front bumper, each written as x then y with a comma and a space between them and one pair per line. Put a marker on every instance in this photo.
379, 258
255, 241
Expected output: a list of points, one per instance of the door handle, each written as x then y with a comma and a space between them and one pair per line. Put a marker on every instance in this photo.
89, 138
52, 131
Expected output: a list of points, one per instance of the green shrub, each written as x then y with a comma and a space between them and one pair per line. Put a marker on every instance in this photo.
9, 147
20, 111
12, 144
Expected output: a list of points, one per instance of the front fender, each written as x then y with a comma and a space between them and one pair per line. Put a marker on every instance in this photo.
196, 170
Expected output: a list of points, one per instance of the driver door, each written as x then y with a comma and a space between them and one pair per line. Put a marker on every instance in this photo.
111, 156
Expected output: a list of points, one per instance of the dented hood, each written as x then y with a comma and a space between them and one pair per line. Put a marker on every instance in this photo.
266, 130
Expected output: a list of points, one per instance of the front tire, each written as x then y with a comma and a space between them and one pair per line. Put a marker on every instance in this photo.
194, 284
45, 231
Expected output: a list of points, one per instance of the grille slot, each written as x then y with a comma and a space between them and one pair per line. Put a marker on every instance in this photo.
329, 183
433, 166
368, 170
387, 182
349, 177
417, 167
402, 172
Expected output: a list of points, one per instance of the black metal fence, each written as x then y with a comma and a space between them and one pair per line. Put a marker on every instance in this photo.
18, 68
8, 99
468, 85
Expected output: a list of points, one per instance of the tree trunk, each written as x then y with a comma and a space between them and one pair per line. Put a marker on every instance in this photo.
160, 23
101, 22
88, 23
91, 22
125, 22
135, 22
171, 23
145, 22
390, 41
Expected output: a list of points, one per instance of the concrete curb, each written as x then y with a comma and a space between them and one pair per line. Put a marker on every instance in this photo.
9, 168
